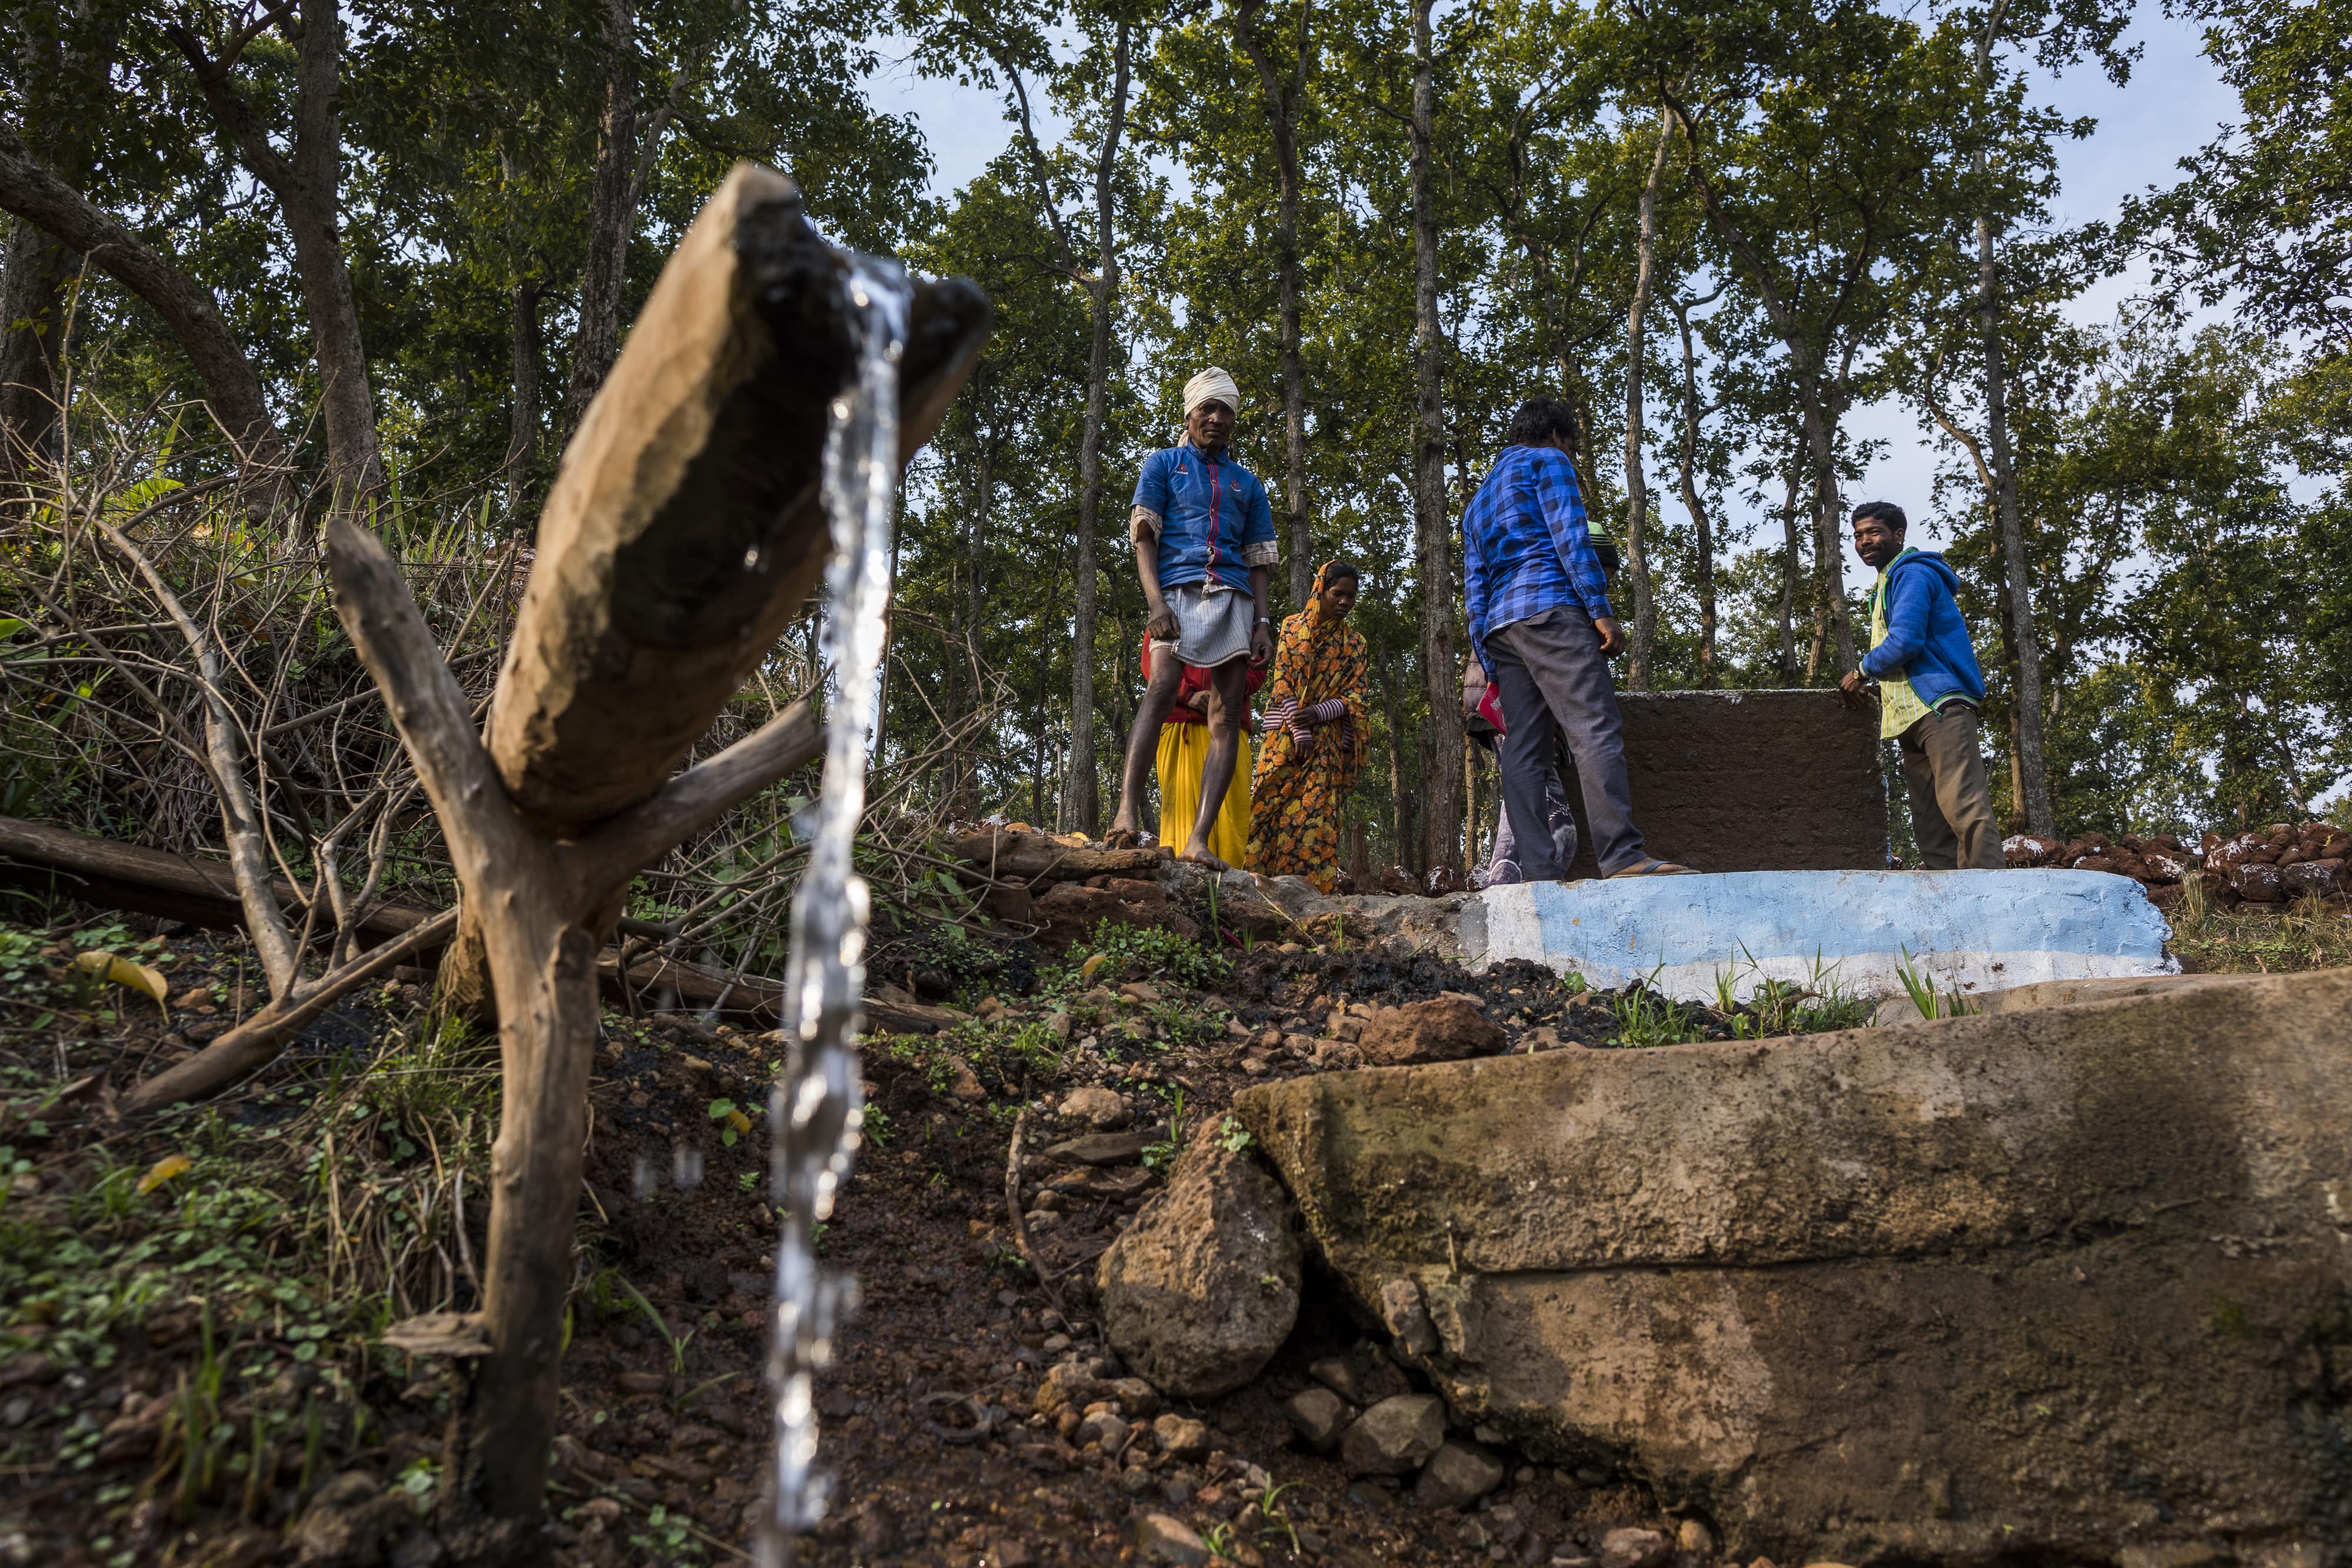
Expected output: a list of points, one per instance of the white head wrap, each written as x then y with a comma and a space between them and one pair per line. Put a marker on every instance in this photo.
1211, 383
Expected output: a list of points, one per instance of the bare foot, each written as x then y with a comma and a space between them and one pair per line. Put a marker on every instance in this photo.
1198, 855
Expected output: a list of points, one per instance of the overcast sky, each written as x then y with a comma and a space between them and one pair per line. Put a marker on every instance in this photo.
2174, 105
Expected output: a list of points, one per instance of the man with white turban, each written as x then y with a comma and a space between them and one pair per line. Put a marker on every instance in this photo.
1204, 541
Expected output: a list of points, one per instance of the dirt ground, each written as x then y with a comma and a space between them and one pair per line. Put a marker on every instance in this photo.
191, 1369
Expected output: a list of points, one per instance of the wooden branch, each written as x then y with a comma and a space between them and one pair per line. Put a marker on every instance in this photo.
258, 1042
427, 706
242, 825
37, 194
619, 847
114, 875
686, 530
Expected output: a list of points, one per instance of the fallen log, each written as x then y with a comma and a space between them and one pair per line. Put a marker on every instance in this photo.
1032, 857
758, 1000
39, 858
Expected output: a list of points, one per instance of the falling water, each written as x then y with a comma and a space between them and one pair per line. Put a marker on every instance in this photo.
813, 1111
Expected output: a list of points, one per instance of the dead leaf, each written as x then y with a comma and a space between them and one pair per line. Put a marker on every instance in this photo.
163, 1170
123, 972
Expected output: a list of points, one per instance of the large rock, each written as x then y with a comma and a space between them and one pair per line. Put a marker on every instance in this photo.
1444, 1029
2054, 1284
1204, 1288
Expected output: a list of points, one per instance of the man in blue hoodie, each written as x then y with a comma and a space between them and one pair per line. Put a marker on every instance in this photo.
1928, 689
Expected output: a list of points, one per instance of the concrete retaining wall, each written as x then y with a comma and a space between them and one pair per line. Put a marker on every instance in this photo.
1973, 930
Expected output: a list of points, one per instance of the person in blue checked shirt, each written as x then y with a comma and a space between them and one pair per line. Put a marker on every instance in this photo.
1541, 625
1204, 540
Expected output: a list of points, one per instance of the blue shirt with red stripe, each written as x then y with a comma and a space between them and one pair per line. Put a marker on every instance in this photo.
1524, 545
1215, 521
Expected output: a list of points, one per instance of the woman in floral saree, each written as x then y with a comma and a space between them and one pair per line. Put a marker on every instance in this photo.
1315, 736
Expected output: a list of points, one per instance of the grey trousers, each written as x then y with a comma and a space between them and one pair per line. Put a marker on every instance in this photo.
1951, 806
1554, 678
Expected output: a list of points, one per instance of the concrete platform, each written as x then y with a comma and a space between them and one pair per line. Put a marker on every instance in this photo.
1973, 930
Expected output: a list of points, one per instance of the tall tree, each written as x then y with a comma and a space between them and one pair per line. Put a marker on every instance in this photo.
1637, 490
1281, 94
306, 181
1432, 522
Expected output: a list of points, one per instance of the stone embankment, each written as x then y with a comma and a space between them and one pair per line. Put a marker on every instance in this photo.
2276, 864
2068, 1283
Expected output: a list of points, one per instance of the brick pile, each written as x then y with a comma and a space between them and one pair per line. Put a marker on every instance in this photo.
2278, 865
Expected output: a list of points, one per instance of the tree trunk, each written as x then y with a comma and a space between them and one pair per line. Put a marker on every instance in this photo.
522, 421
1637, 487
32, 326
2039, 816
1281, 101
34, 192
1082, 803
611, 218
1791, 567
308, 186
1829, 576
1399, 838
1432, 530
1702, 534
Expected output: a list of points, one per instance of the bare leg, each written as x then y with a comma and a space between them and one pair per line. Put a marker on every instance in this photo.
1228, 700
1143, 742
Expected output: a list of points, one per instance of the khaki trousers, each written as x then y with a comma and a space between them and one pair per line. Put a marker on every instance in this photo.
1951, 807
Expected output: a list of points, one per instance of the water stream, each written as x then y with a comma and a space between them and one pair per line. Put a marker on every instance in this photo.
814, 1112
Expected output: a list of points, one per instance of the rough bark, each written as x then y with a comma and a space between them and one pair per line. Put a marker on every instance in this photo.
522, 418
668, 562
1637, 484
307, 183
1083, 808
611, 214
1432, 530
1791, 565
35, 193
1280, 96
32, 326
1702, 532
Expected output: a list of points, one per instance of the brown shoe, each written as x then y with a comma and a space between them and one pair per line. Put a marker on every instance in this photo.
1652, 868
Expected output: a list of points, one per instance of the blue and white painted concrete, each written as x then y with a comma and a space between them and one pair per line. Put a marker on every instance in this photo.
1971, 930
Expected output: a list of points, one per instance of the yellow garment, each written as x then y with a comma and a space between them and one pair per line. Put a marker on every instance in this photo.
1899, 706
1183, 756
1302, 783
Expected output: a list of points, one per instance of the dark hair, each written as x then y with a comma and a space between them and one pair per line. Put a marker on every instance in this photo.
1341, 569
1886, 512
1539, 420
1605, 550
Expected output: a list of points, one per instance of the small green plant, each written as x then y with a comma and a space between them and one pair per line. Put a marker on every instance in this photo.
1921, 988
1274, 1517
1646, 1018
675, 1342
1232, 1137
874, 1125
1138, 952
736, 1124
747, 1180
1158, 1156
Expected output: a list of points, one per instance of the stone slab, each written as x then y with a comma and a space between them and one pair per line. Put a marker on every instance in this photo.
2064, 1284
1756, 780
1971, 930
